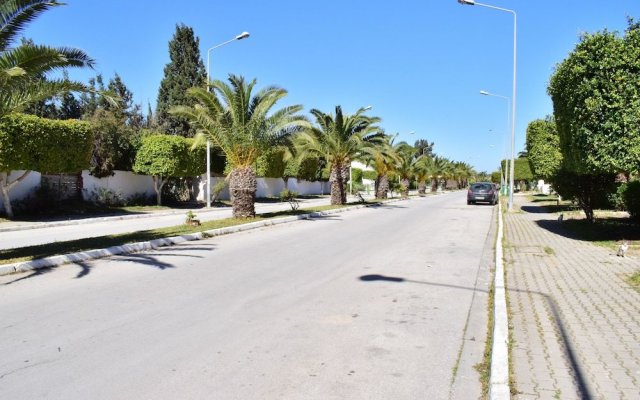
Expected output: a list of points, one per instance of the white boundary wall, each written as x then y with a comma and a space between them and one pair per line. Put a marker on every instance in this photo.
268, 187
127, 184
124, 183
25, 188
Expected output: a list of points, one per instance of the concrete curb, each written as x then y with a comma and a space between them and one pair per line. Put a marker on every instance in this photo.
98, 219
499, 376
87, 255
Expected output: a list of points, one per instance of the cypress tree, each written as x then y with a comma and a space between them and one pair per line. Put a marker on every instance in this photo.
185, 70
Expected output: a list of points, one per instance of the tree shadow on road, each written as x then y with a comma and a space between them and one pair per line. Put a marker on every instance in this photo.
553, 308
140, 258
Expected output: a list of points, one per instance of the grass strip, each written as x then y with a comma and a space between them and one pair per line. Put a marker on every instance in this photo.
21, 254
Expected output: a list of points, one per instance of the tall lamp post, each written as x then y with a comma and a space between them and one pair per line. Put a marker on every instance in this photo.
241, 36
513, 97
485, 93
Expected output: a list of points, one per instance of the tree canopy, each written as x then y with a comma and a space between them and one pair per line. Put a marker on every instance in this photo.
596, 101
184, 70
543, 148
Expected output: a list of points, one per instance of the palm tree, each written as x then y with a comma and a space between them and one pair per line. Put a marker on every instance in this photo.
443, 171
339, 139
383, 158
404, 167
243, 127
23, 66
423, 168
461, 173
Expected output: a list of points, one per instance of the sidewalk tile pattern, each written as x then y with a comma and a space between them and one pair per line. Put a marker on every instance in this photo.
575, 321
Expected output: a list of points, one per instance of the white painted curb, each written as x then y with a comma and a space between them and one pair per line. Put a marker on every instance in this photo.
499, 378
141, 246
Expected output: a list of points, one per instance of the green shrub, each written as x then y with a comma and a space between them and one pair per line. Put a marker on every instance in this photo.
631, 196
616, 199
290, 196
356, 175
370, 175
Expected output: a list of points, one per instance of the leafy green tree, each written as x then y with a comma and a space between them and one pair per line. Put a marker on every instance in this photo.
243, 126
543, 148
31, 143
596, 101
339, 139
23, 67
522, 170
168, 156
114, 145
184, 70
70, 107
590, 191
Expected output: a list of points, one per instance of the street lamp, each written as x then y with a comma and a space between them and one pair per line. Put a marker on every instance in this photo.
241, 36
513, 97
485, 93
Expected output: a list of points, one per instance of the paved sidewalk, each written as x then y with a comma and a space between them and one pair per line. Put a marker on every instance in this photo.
576, 322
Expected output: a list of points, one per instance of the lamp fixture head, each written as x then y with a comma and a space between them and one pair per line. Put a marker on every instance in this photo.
243, 35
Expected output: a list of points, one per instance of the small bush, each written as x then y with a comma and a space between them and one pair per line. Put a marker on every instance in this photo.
217, 189
616, 199
290, 196
631, 196
105, 197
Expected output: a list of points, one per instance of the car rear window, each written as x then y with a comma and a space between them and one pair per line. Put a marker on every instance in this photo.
481, 186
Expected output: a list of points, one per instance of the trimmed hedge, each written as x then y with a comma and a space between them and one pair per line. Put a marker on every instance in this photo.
32, 143
170, 156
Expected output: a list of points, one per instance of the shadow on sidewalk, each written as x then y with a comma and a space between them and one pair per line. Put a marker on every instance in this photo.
551, 303
603, 230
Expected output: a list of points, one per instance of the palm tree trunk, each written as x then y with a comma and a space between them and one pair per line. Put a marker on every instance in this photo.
422, 188
382, 186
338, 180
405, 188
242, 188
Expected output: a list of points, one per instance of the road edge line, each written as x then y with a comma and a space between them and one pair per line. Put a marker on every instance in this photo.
499, 376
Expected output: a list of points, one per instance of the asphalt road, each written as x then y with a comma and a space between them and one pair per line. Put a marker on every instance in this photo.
378, 303
112, 226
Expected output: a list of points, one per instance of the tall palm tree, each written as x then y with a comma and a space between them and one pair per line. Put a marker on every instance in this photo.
23, 66
243, 125
382, 158
339, 139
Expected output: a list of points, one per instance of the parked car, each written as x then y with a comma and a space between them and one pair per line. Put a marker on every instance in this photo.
485, 192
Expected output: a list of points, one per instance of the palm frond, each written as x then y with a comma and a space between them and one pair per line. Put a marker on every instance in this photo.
16, 14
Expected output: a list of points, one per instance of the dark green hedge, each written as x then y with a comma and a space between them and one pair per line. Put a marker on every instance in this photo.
32, 143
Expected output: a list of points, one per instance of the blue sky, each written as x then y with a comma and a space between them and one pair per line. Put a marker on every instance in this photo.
419, 64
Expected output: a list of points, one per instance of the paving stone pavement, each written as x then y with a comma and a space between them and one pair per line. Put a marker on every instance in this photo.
575, 321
